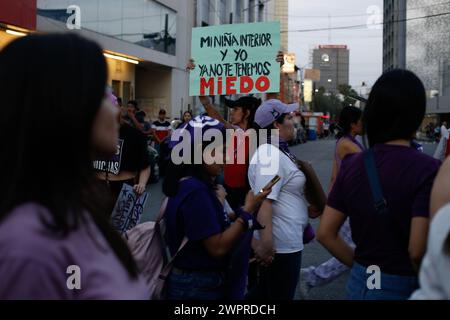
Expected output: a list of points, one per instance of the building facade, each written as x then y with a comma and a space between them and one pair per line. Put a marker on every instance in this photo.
333, 63
278, 10
147, 44
394, 34
290, 83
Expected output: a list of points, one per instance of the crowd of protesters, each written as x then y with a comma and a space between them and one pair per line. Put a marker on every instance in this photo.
237, 232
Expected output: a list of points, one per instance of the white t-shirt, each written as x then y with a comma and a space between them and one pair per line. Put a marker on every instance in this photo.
434, 274
290, 211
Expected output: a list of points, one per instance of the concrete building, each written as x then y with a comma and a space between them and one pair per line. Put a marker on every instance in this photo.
290, 83
214, 12
415, 37
17, 18
333, 63
394, 34
147, 44
278, 10
428, 52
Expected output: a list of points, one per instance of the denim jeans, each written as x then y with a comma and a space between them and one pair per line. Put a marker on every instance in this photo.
193, 285
393, 287
279, 280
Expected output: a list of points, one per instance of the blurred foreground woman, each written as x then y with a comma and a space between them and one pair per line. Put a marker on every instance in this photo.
55, 239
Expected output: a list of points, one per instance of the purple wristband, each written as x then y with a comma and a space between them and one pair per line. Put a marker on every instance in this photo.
250, 221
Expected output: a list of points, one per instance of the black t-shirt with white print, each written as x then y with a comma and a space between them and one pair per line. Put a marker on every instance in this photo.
132, 153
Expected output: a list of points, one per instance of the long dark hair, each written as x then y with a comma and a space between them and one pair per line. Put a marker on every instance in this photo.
396, 107
52, 87
348, 116
187, 111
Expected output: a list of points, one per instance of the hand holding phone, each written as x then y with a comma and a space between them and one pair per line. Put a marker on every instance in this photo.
271, 183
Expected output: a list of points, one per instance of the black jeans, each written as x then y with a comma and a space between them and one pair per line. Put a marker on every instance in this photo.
279, 280
195, 285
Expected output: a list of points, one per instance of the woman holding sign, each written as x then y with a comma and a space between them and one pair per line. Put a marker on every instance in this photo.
241, 120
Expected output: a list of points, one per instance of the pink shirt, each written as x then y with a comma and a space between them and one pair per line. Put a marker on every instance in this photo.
34, 261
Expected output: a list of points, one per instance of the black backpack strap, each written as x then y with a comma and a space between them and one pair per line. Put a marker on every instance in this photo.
374, 181
380, 203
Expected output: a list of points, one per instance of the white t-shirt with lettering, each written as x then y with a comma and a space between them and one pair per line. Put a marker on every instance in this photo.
290, 211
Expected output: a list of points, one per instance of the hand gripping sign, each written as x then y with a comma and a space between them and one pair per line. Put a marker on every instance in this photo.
128, 209
235, 59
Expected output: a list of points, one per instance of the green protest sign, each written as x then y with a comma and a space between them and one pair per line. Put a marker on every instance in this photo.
235, 59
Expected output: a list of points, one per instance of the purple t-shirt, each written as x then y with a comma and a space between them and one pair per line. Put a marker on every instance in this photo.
35, 261
406, 178
195, 212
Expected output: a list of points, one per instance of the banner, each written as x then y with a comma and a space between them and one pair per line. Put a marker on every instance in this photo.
128, 209
308, 90
235, 59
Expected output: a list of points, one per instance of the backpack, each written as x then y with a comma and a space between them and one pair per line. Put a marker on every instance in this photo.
147, 245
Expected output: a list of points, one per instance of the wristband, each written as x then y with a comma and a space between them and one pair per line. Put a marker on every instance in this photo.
250, 222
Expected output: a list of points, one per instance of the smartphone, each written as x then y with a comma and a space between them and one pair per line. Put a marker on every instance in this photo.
271, 183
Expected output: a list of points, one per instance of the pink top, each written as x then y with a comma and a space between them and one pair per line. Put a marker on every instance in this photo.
36, 262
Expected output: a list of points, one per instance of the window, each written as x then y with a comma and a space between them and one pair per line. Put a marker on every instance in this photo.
205, 9
223, 12
251, 11
116, 88
126, 91
446, 77
145, 23
260, 11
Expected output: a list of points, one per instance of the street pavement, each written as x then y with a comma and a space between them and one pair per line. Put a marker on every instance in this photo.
320, 154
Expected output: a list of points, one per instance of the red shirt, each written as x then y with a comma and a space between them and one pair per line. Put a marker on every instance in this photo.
235, 170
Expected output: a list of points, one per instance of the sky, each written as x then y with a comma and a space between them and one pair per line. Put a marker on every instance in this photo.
365, 43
